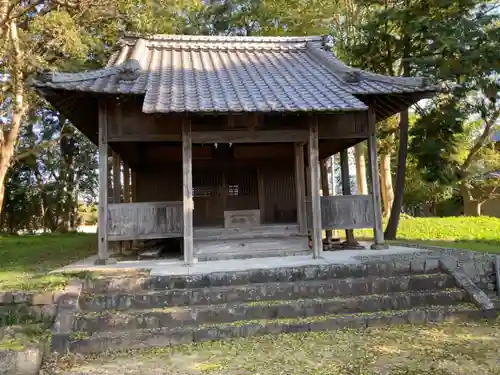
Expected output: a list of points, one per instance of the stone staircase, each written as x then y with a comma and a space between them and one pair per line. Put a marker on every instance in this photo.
126, 313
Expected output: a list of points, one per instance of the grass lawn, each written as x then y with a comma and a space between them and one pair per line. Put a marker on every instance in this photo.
26, 260
471, 233
447, 349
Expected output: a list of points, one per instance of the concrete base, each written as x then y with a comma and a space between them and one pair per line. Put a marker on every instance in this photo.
379, 246
103, 262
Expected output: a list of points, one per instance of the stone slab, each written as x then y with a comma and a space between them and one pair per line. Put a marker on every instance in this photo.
343, 287
167, 337
464, 281
66, 313
24, 362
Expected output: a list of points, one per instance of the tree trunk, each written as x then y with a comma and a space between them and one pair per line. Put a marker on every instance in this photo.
392, 226
8, 137
472, 207
386, 183
359, 153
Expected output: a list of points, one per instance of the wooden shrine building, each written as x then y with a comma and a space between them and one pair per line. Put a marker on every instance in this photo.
221, 133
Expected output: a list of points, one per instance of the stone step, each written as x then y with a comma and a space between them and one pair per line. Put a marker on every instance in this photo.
258, 276
81, 342
267, 292
183, 316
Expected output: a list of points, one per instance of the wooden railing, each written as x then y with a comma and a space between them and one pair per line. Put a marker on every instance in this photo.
344, 212
140, 221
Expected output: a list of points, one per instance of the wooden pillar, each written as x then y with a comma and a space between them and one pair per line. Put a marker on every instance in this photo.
378, 232
332, 174
133, 185
325, 190
346, 190
333, 182
133, 197
300, 187
103, 256
187, 179
117, 188
126, 195
126, 183
317, 243
262, 196
117, 191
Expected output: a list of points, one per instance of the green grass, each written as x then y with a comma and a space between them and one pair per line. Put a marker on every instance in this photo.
445, 349
471, 233
26, 260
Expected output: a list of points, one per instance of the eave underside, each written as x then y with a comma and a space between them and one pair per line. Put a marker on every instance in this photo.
82, 109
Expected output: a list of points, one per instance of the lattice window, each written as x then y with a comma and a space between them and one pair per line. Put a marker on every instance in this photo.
202, 191
234, 190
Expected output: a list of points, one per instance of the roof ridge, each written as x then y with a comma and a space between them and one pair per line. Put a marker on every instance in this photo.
222, 38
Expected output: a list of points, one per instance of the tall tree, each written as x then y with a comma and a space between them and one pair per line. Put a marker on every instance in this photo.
452, 140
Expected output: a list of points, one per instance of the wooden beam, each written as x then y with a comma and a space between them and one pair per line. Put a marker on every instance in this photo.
379, 242
317, 240
187, 180
103, 256
300, 187
245, 136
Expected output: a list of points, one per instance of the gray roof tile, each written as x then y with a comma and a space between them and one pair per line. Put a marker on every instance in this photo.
232, 74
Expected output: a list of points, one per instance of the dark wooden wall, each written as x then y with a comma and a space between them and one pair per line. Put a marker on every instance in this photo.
253, 184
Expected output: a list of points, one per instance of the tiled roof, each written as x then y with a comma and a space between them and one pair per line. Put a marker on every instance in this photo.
232, 74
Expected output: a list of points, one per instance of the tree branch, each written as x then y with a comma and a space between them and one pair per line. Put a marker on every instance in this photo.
36, 150
11, 15
476, 147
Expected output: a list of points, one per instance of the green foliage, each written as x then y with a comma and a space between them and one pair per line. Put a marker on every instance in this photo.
43, 187
452, 139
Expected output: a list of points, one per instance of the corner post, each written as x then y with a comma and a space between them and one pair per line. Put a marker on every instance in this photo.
103, 256
317, 241
379, 243
187, 179
300, 180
